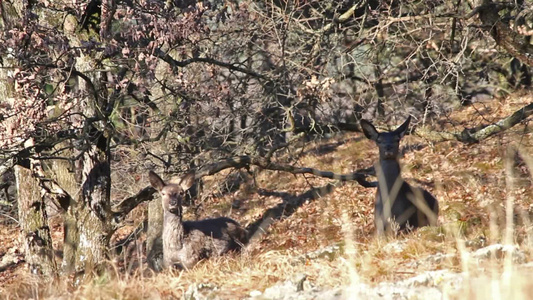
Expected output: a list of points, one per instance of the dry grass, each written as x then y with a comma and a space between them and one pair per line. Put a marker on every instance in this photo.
485, 198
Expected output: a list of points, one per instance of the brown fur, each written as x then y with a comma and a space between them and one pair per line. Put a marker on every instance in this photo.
186, 243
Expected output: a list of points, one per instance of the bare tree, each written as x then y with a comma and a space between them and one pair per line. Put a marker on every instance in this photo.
110, 88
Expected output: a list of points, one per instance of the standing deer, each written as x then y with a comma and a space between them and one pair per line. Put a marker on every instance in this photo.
186, 243
398, 205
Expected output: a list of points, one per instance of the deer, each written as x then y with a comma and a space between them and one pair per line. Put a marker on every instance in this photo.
398, 205
185, 243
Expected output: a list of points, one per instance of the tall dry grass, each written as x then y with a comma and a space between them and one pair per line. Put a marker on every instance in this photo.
485, 196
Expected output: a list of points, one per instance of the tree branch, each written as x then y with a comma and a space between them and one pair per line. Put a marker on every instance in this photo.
471, 136
72, 71
246, 161
48, 186
513, 42
176, 63
125, 206
122, 209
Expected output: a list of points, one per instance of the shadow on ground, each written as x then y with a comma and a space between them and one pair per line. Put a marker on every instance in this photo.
286, 208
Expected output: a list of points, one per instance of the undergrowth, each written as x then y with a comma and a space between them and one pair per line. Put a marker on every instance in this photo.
484, 191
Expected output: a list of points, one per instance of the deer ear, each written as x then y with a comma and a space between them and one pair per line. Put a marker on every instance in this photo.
187, 181
156, 181
403, 128
369, 130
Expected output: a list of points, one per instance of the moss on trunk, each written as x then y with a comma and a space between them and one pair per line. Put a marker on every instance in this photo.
38, 248
154, 243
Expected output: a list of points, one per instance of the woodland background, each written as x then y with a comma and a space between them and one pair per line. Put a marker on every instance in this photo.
93, 94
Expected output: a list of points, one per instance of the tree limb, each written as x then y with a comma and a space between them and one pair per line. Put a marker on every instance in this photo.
125, 206
246, 161
343, 18
122, 209
513, 42
176, 63
48, 186
471, 136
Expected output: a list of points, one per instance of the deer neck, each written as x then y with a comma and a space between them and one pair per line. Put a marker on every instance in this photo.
388, 173
173, 231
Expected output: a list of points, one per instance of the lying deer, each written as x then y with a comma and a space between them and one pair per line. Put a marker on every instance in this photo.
186, 243
397, 203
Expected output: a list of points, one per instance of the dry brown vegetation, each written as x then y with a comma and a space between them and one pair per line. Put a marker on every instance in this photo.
475, 184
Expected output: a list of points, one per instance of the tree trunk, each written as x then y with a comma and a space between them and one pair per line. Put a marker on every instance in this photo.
63, 175
88, 220
38, 248
154, 243
35, 232
88, 225
516, 44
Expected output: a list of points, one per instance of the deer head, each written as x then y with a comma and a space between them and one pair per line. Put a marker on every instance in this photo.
173, 192
387, 142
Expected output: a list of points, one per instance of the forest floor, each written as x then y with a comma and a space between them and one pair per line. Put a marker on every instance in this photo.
481, 249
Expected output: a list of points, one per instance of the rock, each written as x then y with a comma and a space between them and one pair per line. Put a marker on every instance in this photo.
201, 291
431, 259
399, 292
430, 285
255, 293
395, 246
329, 252
433, 279
439, 257
289, 289
498, 251
11, 258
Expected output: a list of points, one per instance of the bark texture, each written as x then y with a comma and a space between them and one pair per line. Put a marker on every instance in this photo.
154, 243
38, 248
514, 43
88, 221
